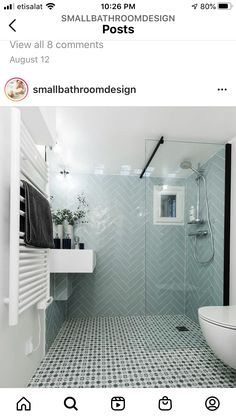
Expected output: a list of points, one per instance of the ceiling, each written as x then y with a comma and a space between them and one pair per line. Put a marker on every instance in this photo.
111, 140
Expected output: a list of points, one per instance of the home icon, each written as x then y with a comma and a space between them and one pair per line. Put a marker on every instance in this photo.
23, 404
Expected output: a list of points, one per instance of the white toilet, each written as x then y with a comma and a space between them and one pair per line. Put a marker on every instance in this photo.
218, 326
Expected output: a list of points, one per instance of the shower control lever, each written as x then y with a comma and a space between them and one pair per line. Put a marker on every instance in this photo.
200, 233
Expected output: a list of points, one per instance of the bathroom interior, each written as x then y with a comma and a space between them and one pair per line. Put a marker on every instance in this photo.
136, 289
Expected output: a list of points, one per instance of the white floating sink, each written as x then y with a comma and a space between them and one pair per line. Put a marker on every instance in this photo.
72, 260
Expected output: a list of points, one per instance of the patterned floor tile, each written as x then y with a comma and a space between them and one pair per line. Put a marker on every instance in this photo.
131, 352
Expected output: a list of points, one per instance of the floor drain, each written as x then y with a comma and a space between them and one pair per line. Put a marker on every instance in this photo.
182, 328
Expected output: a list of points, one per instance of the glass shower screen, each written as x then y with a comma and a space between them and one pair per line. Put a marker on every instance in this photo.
184, 239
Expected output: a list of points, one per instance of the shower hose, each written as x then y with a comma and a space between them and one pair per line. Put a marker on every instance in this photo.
196, 257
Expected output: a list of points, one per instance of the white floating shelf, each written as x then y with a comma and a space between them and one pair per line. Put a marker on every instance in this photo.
72, 261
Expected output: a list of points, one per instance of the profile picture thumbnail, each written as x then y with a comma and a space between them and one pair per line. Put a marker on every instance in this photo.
16, 89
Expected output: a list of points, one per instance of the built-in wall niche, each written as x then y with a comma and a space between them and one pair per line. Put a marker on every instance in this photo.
168, 204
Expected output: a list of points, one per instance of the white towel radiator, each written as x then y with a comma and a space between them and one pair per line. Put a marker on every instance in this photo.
29, 266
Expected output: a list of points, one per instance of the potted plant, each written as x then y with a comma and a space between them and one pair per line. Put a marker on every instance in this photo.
58, 218
80, 214
67, 218
68, 225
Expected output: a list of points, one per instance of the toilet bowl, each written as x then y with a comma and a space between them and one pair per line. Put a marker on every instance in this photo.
218, 325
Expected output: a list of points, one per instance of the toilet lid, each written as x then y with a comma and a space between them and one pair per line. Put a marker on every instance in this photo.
223, 316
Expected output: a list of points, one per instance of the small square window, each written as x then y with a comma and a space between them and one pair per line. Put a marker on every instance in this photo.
168, 205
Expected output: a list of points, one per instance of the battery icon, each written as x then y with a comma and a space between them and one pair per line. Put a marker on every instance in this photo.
225, 6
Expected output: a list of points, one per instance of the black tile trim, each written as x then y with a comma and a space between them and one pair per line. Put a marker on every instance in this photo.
228, 150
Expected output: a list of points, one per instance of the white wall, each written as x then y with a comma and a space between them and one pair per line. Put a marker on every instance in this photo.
233, 226
15, 367
41, 124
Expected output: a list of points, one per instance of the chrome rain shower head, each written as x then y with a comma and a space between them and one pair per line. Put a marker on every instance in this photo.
186, 165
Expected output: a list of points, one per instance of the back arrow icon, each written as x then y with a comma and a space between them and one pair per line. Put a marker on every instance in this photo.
10, 25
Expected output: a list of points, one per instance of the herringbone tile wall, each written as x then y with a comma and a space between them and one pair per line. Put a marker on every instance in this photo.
165, 259
204, 283
116, 230
56, 314
142, 268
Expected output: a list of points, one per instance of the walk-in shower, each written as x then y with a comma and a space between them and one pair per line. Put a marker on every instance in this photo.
198, 219
154, 268
184, 238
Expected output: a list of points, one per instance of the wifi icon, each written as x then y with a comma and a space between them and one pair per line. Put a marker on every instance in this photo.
50, 5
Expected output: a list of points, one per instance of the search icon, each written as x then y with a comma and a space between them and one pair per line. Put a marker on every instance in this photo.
70, 403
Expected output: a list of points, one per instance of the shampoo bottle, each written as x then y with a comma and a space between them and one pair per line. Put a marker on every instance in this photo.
192, 214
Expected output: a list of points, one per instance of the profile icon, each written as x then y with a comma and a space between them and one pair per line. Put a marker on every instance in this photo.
16, 89
212, 403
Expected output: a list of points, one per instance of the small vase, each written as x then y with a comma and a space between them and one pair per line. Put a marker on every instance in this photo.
69, 229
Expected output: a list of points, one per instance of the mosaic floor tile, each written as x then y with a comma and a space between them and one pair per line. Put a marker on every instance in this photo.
131, 352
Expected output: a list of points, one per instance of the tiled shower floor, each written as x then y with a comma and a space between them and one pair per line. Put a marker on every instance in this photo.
131, 352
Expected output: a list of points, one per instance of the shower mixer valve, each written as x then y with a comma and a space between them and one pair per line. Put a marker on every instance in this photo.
200, 233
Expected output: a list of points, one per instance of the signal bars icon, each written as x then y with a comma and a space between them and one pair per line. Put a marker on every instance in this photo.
9, 7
